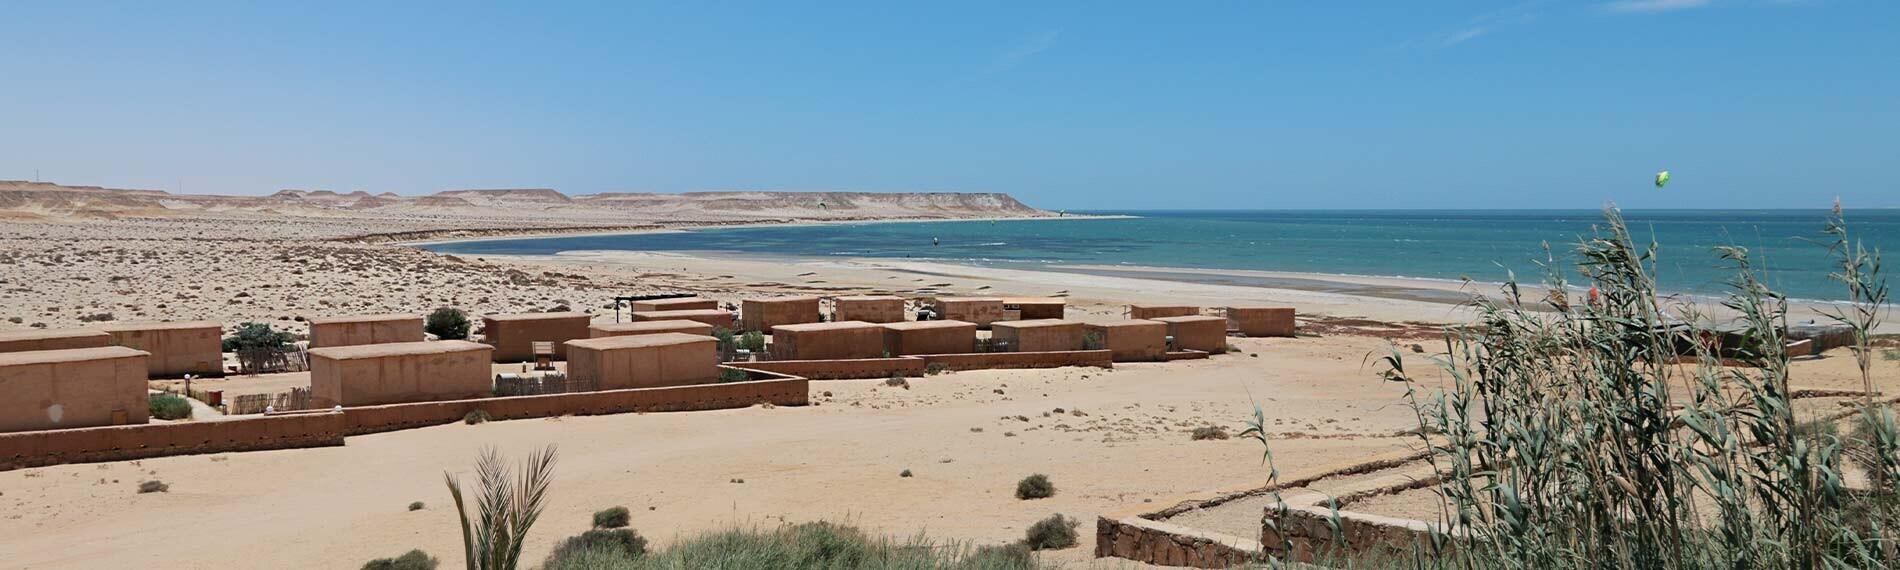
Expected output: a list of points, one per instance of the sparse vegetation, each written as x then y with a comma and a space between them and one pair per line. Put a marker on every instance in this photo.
809, 546
412, 560
1035, 486
259, 347
733, 375
897, 381
727, 343
1210, 432
936, 368
447, 323
168, 407
507, 506
154, 486
586, 550
416, 506
905, 473
1092, 340
1057, 531
753, 341
475, 417
617, 517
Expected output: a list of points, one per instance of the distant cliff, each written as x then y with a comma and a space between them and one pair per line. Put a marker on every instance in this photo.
20, 199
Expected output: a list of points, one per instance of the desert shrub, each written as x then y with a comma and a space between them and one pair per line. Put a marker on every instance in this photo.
154, 486
753, 341
616, 517
168, 407
416, 506
1210, 432
897, 381
580, 551
733, 375
1568, 437
447, 323
412, 560
819, 545
904, 473
1092, 340
257, 336
475, 417
936, 368
1057, 531
1035, 486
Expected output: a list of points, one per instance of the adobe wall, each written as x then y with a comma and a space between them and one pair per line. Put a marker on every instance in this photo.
677, 304
929, 337
727, 395
999, 360
514, 335
365, 329
1165, 544
400, 372
72, 388
868, 308
604, 330
644, 361
826, 341
1206, 334
1157, 311
1133, 340
1261, 321
52, 339
844, 369
120, 443
711, 317
177, 349
978, 310
764, 314
1039, 335
1031, 308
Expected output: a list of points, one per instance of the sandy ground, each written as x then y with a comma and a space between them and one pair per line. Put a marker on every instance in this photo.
839, 460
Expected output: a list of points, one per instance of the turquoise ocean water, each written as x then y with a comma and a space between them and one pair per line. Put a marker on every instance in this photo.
1480, 245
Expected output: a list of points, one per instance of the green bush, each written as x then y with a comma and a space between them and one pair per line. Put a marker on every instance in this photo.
447, 323
753, 341
1057, 531
168, 407
1210, 432
587, 549
154, 486
1035, 486
814, 546
733, 375
252, 336
936, 368
416, 506
616, 517
412, 560
1093, 340
475, 417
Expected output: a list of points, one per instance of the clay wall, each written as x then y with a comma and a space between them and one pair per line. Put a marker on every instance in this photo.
764, 314
868, 308
1261, 321
1039, 335
72, 388
400, 372
644, 361
177, 349
929, 337
514, 335
1206, 334
649, 327
53, 339
828, 341
1133, 340
365, 329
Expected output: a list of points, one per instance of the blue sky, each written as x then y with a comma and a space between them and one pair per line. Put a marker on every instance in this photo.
1751, 103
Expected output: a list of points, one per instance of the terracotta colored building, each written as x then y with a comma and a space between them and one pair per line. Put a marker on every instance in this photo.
365, 329
764, 315
675, 304
714, 318
1133, 340
868, 308
644, 361
648, 327
1032, 308
52, 339
1206, 334
514, 335
980, 311
825, 341
1261, 321
176, 349
1038, 335
929, 337
1156, 311
393, 373
72, 388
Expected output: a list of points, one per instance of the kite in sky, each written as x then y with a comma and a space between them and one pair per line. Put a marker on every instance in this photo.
1662, 178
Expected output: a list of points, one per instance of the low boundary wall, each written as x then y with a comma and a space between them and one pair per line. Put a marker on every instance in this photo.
791, 391
20, 450
844, 369
915, 365
993, 360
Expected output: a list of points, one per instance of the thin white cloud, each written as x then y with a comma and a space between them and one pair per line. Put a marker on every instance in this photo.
1480, 25
1640, 6
1462, 36
1026, 48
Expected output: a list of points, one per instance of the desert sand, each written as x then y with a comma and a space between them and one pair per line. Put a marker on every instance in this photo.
1108, 438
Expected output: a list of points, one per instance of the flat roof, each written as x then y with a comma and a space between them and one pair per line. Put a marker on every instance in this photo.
1256, 308
1189, 319
1128, 323
920, 325
800, 298
652, 325
1035, 301
1195, 307
639, 341
685, 312
504, 317
870, 298
398, 349
969, 299
43, 334
387, 317
1033, 323
68, 355
677, 300
830, 326
159, 326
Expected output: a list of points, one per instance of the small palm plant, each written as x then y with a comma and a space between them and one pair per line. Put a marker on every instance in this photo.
505, 508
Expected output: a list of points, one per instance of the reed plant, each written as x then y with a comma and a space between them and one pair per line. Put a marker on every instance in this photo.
1607, 431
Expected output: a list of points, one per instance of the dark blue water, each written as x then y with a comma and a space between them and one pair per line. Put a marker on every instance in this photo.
1481, 245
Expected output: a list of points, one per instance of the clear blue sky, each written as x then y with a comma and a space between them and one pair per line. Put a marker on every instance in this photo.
1404, 104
